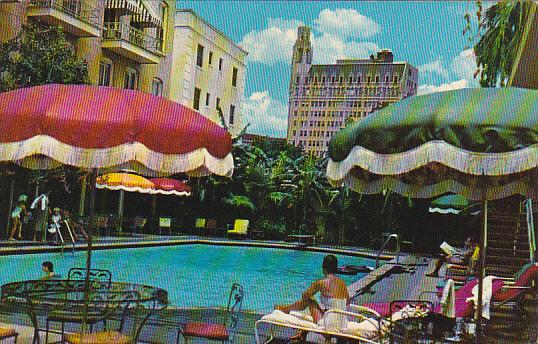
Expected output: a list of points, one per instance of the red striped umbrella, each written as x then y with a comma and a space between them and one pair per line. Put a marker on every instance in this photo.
108, 128
169, 186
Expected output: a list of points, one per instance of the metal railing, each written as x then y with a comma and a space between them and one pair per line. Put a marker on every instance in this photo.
121, 31
389, 238
75, 8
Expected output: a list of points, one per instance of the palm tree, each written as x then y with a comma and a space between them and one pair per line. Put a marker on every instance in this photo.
503, 25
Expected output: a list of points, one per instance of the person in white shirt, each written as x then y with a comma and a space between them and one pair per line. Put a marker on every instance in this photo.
41, 211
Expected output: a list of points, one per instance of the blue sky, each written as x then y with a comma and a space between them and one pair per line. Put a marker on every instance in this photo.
426, 34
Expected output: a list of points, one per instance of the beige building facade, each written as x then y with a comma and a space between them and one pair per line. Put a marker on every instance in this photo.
324, 98
209, 70
147, 46
125, 43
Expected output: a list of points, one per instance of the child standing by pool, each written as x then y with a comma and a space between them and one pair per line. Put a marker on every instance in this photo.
16, 218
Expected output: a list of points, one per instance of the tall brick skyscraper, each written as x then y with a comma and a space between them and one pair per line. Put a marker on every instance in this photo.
322, 98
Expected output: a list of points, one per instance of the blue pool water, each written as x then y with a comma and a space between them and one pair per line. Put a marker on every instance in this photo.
196, 275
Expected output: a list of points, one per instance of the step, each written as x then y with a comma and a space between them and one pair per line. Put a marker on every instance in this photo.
504, 243
507, 251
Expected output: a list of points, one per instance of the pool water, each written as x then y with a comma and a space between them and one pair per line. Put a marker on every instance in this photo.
196, 275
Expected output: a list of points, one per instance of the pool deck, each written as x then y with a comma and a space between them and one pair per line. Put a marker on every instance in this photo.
384, 284
104, 243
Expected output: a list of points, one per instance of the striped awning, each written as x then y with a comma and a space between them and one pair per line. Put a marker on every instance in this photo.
146, 16
128, 5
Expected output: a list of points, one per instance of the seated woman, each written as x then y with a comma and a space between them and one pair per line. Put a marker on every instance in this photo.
333, 295
459, 256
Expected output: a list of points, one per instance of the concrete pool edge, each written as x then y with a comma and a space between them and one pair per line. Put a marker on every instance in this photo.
19, 250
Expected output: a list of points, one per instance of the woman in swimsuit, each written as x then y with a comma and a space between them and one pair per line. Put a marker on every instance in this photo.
334, 295
16, 220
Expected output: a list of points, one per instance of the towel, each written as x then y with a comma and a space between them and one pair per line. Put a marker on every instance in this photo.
487, 285
448, 304
42, 201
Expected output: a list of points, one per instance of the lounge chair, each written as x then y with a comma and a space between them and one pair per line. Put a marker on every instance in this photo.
7, 333
368, 327
166, 223
240, 228
221, 332
513, 295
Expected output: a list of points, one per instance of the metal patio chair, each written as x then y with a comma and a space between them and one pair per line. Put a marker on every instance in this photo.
222, 332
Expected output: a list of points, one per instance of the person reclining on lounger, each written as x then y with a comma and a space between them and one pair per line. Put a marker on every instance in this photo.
334, 295
453, 255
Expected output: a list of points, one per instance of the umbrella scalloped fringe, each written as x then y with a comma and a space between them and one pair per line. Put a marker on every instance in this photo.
473, 163
171, 192
45, 152
444, 211
125, 188
429, 191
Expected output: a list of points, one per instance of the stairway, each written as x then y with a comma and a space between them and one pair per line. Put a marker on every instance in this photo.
507, 243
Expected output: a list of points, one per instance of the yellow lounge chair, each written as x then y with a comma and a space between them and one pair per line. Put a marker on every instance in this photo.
240, 227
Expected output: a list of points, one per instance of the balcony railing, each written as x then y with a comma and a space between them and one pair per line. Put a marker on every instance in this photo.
75, 8
121, 31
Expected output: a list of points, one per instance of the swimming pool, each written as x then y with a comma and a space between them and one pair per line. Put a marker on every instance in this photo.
196, 275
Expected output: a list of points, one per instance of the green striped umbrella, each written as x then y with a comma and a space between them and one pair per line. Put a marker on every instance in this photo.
481, 143
452, 204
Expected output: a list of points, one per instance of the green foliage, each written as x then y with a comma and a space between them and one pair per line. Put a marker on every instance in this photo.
40, 55
500, 31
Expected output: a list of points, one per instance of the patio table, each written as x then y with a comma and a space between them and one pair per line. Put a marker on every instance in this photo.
42, 297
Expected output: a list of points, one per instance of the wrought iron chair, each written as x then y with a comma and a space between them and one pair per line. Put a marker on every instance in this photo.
111, 303
138, 224
7, 333
71, 313
104, 277
215, 331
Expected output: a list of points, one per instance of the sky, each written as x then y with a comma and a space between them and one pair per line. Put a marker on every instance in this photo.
429, 35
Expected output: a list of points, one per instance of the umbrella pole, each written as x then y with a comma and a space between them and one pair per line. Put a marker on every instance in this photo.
93, 178
11, 194
153, 210
481, 267
120, 209
82, 203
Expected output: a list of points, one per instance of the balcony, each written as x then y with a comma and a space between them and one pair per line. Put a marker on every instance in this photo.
131, 42
75, 16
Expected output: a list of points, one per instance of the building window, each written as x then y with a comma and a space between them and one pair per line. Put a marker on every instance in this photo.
131, 79
157, 87
210, 61
358, 78
350, 79
377, 78
200, 56
297, 80
221, 61
395, 79
232, 113
386, 78
234, 77
196, 100
217, 106
341, 79
105, 73
368, 79
207, 96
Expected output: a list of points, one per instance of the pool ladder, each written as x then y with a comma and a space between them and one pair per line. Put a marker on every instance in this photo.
392, 236
69, 231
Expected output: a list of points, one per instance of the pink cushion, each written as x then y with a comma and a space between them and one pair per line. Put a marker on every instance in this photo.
383, 308
523, 281
206, 330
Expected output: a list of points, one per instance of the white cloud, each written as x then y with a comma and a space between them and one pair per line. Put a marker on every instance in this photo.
333, 37
328, 48
464, 65
272, 45
455, 85
345, 23
435, 67
267, 116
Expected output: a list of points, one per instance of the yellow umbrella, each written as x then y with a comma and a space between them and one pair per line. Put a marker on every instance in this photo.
124, 182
